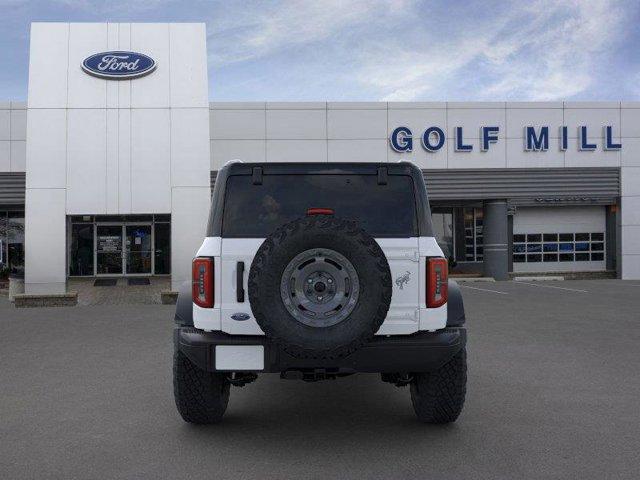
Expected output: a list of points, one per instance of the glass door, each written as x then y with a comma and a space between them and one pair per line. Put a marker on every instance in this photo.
139, 249
109, 250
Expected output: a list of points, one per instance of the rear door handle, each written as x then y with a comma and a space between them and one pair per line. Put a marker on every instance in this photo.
240, 282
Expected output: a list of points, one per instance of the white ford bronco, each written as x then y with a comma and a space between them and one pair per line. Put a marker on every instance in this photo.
317, 271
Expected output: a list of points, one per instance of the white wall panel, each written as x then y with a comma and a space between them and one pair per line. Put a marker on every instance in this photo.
188, 54
86, 91
18, 124
357, 150
5, 156
152, 91
86, 161
495, 157
150, 161
18, 156
592, 118
47, 148
124, 161
518, 118
630, 153
237, 124
296, 150
5, 124
111, 162
246, 150
630, 211
113, 43
48, 62
517, 157
630, 120
296, 124
472, 119
124, 86
357, 124
631, 239
630, 181
45, 241
189, 145
190, 208
598, 158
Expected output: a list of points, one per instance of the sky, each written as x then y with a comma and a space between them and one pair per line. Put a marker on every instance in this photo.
377, 50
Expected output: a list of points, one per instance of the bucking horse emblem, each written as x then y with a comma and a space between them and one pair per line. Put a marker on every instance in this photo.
403, 279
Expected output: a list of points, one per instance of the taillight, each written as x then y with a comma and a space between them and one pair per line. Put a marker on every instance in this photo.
202, 282
437, 282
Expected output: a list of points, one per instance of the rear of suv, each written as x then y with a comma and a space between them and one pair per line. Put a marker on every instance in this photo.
317, 271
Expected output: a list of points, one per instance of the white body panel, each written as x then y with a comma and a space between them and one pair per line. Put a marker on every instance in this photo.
407, 260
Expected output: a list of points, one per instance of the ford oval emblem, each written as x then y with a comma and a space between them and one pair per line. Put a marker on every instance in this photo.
241, 317
118, 65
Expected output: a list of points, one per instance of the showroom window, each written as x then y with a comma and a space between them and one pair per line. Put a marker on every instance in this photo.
473, 239
115, 245
558, 247
11, 242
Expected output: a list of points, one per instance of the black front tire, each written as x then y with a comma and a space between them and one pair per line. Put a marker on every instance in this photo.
438, 397
201, 397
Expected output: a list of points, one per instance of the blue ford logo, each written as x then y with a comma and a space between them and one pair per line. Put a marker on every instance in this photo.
118, 65
241, 317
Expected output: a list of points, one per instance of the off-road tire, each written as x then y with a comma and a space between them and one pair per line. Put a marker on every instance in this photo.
201, 397
438, 397
349, 240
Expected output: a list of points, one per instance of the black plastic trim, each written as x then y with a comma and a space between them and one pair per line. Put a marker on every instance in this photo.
240, 282
184, 306
420, 352
455, 305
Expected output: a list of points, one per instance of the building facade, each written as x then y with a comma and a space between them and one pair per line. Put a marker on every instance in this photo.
103, 176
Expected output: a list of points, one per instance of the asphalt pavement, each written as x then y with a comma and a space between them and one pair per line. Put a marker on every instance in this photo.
553, 392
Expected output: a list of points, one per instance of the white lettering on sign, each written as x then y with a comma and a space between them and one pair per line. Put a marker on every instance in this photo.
117, 63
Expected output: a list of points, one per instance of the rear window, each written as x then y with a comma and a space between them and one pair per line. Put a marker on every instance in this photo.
255, 211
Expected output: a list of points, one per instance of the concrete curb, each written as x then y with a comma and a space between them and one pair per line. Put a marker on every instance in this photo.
475, 279
69, 299
538, 279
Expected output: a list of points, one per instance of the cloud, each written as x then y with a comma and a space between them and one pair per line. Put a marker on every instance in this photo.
548, 50
261, 29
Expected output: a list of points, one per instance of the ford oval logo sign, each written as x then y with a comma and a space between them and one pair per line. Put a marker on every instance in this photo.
240, 317
118, 65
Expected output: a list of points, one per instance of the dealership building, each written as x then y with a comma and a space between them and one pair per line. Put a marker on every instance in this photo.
107, 168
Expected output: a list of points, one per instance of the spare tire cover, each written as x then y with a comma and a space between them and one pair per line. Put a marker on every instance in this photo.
320, 287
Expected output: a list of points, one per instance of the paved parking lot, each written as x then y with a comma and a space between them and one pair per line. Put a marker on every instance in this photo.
85, 392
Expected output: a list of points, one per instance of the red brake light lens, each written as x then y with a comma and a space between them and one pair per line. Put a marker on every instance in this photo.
320, 211
202, 282
437, 282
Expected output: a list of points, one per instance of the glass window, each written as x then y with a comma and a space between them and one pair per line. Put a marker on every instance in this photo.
473, 222
565, 251
566, 237
257, 210
597, 257
582, 257
597, 237
550, 237
519, 248
581, 237
582, 246
15, 241
550, 257
519, 258
534, 247
536, 237
163, 249
566, 257
519, 238
597, 247
550, 247
534, 258
442, 220
81, 251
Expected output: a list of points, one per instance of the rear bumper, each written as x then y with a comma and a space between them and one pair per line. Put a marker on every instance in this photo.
420, 352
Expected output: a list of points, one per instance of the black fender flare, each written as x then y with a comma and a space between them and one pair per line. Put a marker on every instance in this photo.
455, 306
184, 306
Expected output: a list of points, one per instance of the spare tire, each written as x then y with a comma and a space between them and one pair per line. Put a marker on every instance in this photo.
320, 287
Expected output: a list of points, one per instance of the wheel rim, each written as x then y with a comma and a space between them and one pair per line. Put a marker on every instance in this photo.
320, 287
